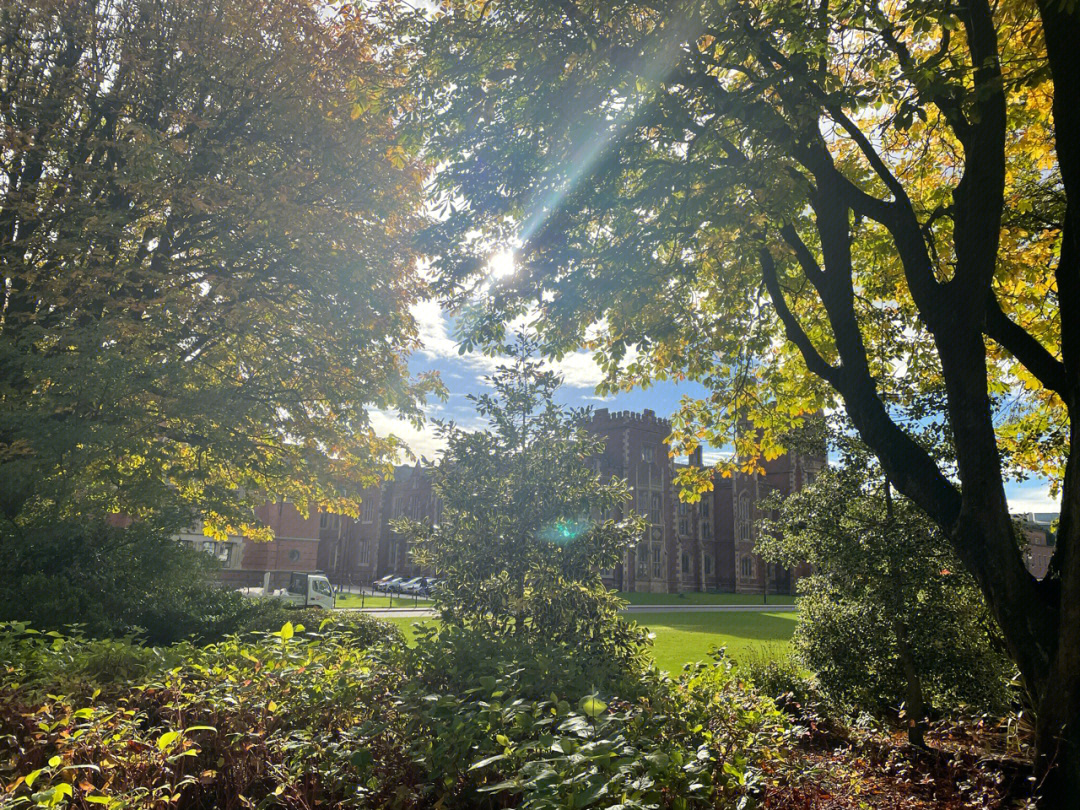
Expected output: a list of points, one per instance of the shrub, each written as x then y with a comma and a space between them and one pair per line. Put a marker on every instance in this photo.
296, 717
779, 675
311, 717
698, 741
528, 523
889, 617
114, 582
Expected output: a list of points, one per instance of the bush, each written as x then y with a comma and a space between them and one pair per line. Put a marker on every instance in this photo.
890, 620
779, 675
114, 582
696, 742
312, 717
295, 717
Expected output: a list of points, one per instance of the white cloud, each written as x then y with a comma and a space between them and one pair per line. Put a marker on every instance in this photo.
713, 457
578, 369
421, 441
434, 331
1031, 497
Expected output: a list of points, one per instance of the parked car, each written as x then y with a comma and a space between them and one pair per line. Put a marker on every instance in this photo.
387, 584
399, 587
382, 582
414, 587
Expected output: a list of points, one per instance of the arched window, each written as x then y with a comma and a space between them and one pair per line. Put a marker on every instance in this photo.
744, 516
747, 566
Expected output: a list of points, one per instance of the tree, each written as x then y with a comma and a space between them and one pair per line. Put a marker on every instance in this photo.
205, 221
888, 618
799, 205
528, 524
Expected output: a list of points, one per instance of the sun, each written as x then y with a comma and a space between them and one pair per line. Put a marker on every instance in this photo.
502, 264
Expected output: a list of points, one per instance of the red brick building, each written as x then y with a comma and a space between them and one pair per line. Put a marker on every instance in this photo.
694, 547
686, 547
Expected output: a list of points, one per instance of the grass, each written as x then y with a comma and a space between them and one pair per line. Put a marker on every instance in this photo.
352, 600
682, 638
693, 598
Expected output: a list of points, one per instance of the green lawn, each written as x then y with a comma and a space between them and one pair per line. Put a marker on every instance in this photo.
352, 600
683, 638
693, 598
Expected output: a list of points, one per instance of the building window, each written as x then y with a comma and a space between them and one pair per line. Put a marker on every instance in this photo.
655, 508
224, 553
682, 508
708, 563
744, 516
747, 566
684, 527
705, 509
367, 510
706, 530
643, 561
294, 555
658, 560
685, 563
208, 546
647, 453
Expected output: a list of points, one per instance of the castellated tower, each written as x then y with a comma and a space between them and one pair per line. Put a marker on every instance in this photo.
693, 547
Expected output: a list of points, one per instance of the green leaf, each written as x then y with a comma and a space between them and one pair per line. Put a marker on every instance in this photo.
487, 761
167, 739
592, 706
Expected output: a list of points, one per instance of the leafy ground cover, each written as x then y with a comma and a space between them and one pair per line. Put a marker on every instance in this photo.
703, 598
347, 716
683, 638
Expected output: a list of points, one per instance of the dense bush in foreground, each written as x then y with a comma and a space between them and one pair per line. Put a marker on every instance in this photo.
308, 717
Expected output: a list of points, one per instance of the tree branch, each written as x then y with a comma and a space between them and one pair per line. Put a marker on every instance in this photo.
1022, 345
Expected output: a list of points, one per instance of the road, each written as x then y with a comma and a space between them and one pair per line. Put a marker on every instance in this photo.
423, 613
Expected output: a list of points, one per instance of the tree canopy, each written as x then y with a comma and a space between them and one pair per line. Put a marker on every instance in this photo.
206, 213
799, 205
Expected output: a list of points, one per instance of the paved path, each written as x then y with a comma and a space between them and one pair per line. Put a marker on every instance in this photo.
410, 612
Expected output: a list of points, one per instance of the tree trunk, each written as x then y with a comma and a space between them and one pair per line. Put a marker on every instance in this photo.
915, 705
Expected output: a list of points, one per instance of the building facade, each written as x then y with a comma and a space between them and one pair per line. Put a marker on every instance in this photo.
1040, 540
706, 546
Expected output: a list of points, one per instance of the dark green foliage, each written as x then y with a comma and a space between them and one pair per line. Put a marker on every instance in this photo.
889, 617
527, 525
313, 717
780, 676
136, 581
114, 581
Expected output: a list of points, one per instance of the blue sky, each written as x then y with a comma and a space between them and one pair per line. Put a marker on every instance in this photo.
463, 375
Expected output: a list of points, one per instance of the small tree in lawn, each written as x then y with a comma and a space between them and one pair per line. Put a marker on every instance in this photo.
889, 618
528, 523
